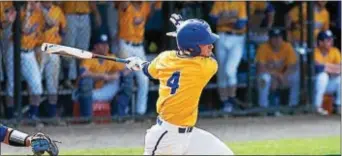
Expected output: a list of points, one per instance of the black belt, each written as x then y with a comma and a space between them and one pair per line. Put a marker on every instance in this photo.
79, 13
180, 130
233, 33
134, 44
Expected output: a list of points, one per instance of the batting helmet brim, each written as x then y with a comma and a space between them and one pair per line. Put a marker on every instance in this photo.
210, 40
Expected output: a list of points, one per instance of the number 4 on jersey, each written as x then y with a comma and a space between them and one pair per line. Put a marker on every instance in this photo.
173, 81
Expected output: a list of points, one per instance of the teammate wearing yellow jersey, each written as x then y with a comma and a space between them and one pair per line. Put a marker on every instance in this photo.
328, 72
321, 21
277, 67
32, 28
55, 26
230, 18
182, 74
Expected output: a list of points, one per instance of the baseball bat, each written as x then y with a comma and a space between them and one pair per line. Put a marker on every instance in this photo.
75, 52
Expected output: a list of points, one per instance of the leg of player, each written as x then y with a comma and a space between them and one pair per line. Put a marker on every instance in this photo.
165, 139
205, 143
234, 58
125, 94
51, 73
107, 92
82, 41
321, 84
32, 74
14, 137
142, 81
221, 55
69, 40
9, 66
334, 87
294, 84
264, 84
85, 98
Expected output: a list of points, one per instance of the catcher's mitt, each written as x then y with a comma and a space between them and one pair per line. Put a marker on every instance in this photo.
42, 143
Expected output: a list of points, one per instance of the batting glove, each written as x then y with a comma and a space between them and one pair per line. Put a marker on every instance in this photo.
176, 20
135, 63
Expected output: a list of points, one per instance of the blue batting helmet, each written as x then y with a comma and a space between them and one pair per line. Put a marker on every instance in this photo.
192, 33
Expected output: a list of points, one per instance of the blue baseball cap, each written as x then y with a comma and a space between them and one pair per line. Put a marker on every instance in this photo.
274, 33
327, 34
101, 38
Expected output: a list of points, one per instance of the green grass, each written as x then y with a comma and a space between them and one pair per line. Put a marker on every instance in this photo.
308, 146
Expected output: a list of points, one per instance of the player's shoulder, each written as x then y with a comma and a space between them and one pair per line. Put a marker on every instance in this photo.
287, 44
335, 50
325, 12
167, 54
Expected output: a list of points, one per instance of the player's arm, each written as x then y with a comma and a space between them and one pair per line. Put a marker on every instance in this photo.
262, 66
148, 68
292, 61
85, 71
49, 20
10, 15
117, 70
335, 66
27, 13
62, 22
14, 137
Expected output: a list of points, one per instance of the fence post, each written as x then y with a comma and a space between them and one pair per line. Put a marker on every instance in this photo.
310, 50
249, 87
17, 63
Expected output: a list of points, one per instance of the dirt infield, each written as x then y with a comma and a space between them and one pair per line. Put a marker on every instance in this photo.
228, 129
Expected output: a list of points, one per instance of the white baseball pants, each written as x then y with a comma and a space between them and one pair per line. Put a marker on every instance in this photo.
50, 68
78, 36
165, 139
127, 50
229, 51
326, 84
107, 92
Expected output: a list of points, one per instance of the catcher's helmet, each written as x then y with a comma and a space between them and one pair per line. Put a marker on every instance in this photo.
194, 32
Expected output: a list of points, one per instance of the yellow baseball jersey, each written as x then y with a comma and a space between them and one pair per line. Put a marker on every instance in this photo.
333, 56
127, 29
278, 61
257, 6
76, 7
181, 83
34, 37
51, 35
101, 66
322, 21
236, 10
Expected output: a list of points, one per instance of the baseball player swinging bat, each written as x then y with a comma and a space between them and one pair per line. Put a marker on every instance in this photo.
74, 52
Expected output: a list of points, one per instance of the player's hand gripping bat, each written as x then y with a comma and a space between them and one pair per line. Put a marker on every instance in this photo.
74, 52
